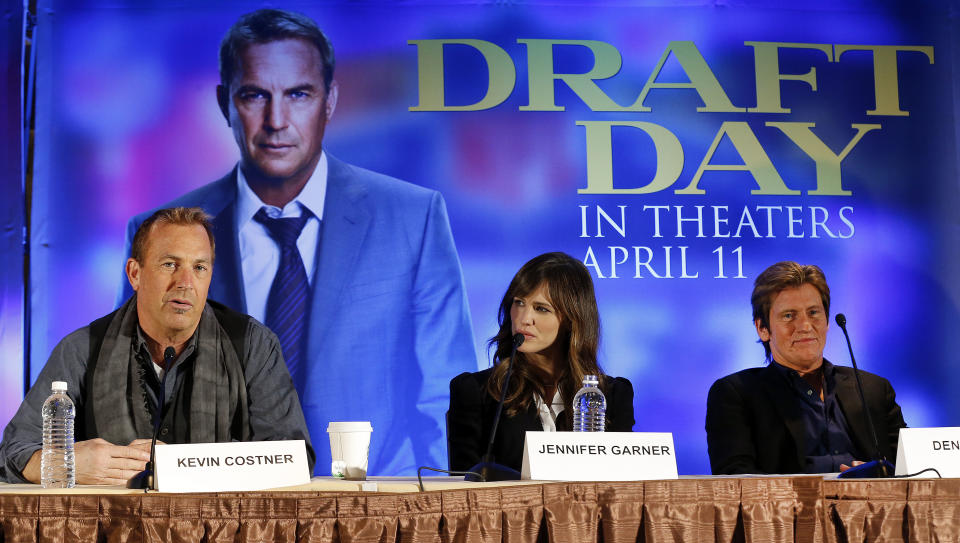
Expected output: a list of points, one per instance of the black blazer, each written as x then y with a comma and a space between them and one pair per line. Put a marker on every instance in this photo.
754, 423
472, 409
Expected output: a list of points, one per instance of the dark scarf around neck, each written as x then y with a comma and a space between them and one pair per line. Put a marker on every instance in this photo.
218, 396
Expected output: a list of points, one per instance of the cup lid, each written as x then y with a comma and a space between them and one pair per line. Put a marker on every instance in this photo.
350, 426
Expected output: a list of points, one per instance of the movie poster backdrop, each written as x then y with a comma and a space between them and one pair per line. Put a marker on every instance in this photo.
677, 149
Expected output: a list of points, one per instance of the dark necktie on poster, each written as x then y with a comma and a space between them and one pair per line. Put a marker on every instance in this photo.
287, 302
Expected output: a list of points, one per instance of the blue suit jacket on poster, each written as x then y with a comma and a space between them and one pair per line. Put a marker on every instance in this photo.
389, 323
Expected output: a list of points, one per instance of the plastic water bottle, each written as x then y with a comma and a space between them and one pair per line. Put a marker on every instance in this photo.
56, 461
589, 407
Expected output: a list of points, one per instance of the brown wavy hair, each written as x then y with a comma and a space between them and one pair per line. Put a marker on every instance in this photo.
570, 290
781, 276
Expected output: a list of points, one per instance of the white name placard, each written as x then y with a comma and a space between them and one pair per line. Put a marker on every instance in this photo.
922, 448
225, 467
598, 456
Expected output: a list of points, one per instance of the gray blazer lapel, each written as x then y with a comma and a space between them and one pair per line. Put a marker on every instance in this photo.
346, 219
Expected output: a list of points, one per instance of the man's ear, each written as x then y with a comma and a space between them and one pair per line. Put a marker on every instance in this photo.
332, 95
223, 100
133, 273
762, 330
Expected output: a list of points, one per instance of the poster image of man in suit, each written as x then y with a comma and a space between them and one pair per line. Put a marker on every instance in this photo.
356, 272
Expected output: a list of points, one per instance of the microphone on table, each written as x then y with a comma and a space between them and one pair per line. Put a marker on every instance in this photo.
147, 479
487, 468
879, 466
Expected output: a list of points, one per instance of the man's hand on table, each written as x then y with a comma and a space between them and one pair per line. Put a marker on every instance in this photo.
844, 467
99, 462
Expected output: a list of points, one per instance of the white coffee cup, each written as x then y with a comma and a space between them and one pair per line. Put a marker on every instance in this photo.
350, 448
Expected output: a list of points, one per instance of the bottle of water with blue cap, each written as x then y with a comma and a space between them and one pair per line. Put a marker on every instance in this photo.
589, 407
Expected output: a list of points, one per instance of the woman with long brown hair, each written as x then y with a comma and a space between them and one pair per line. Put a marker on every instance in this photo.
552, 304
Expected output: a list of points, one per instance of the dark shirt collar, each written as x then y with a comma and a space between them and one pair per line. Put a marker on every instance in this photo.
801, 386
829, 370
142, 349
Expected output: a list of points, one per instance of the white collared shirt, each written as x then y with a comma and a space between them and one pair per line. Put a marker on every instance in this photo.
549, 413
259, 254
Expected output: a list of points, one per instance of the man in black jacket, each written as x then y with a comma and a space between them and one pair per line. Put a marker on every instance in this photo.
800, 413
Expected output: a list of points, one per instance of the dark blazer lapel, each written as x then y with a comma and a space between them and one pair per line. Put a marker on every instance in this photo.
849, 400
527, 421
227, 284
785, 402
512, 432
531, 422
346, 218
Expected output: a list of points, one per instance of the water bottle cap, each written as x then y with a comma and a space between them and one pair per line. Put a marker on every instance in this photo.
591, 380
59, 386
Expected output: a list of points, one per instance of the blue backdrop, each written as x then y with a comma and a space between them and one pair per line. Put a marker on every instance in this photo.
707, 142
12, 207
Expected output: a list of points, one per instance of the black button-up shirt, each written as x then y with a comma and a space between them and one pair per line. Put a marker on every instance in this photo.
826, 437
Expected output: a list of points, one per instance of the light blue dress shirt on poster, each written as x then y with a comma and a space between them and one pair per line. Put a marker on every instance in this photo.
259, 254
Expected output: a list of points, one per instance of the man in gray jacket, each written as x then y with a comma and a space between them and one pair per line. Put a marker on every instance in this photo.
220, 373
